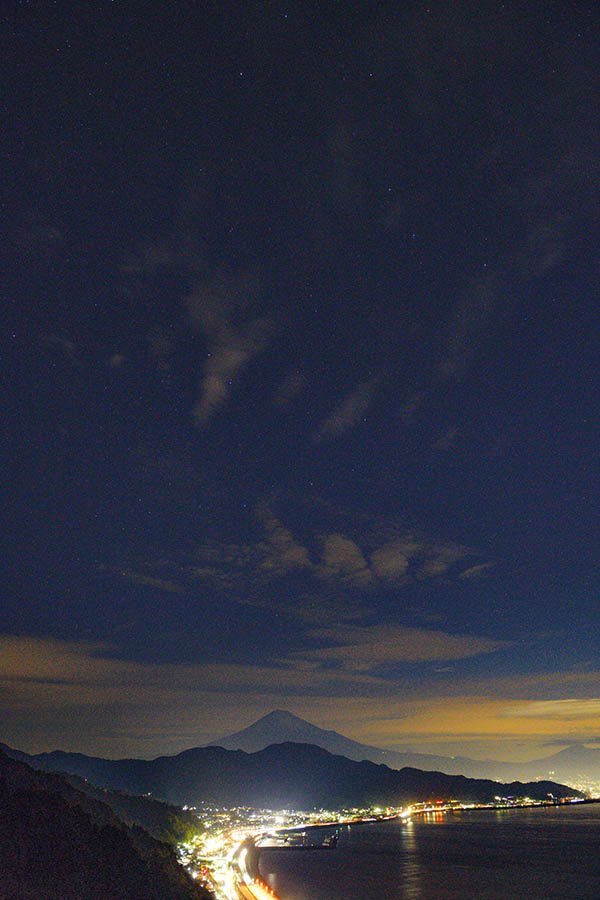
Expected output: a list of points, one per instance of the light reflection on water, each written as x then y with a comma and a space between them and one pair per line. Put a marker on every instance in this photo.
411, 865
494, 855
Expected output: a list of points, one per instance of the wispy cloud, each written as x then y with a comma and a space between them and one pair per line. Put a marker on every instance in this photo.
349, 412
122, 706
440, 558
46, 685
391, 561
291, 387
160, 584
474, 315
321, 608
343, 560
569, 708
281, 552
547, 202
64, 345
365, 649
49, 683
477, 571
365, 557
92, 672
222, 310
325, 567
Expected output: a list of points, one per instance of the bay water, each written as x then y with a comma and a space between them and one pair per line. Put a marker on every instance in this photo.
549, 852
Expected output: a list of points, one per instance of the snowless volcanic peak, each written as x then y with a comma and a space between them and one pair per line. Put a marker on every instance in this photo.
277, 727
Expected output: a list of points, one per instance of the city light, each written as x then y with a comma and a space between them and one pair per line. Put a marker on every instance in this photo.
222, 857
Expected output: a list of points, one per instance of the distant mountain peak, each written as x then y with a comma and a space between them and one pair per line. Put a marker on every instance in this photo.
280, 715
276, 727
281, 726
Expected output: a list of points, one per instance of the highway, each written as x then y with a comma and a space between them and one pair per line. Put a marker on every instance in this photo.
248, 885
247, 882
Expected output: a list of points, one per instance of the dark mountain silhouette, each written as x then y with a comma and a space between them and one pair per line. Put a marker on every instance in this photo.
288, 775
164, 821
56, 843
280, 726
575, 764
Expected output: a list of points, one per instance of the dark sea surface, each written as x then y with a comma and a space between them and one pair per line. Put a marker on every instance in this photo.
552, 852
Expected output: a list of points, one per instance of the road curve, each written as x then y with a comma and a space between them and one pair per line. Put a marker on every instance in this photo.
248, 884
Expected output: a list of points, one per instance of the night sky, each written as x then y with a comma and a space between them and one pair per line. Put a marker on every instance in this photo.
301, 378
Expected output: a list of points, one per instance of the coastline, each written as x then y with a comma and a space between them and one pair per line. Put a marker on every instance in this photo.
248, 884
432, 858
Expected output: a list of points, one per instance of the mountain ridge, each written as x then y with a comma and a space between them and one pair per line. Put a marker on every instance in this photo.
572, 764
287, 775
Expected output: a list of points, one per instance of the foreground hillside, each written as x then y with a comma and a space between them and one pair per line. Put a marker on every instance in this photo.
164, 821
58, 844
289, 775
